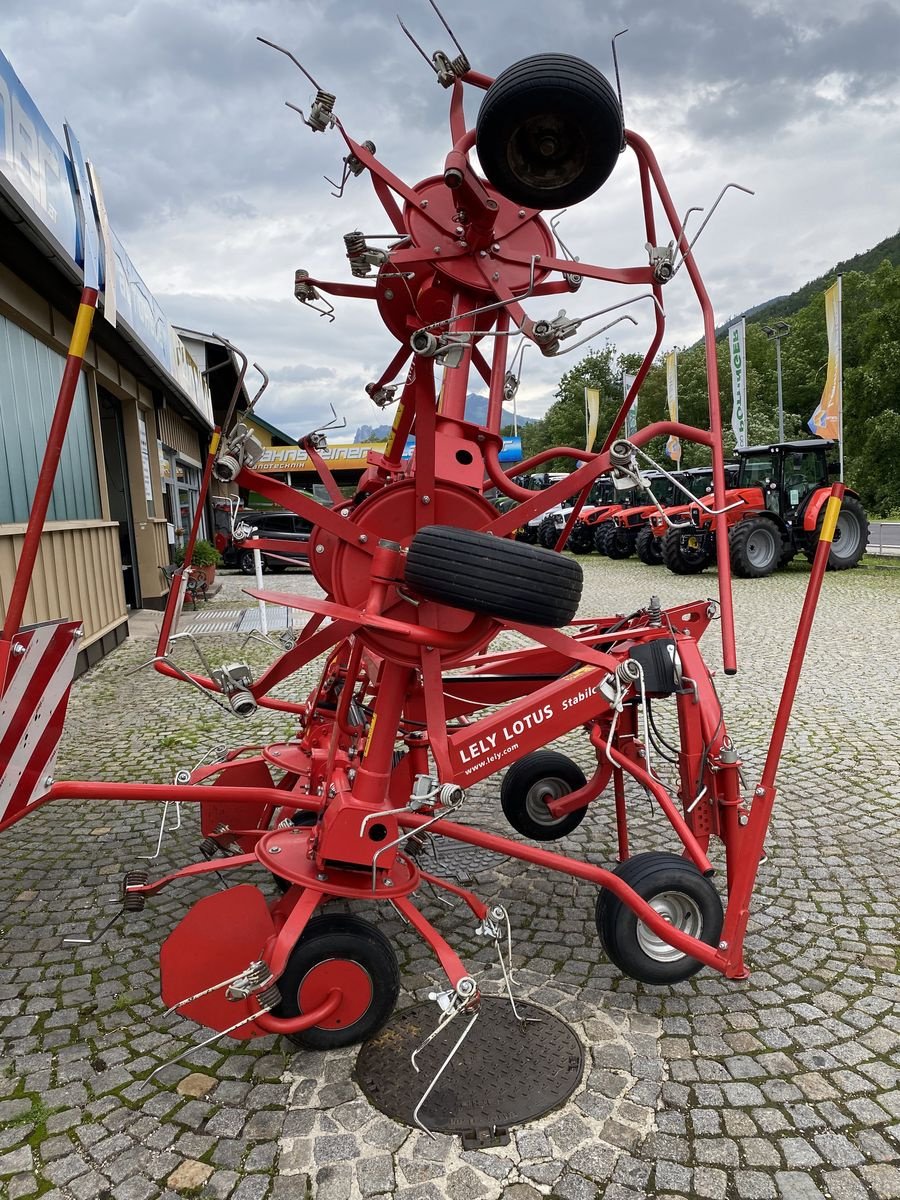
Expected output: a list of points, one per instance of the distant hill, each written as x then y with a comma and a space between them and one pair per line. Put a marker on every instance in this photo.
476, 411
785, 306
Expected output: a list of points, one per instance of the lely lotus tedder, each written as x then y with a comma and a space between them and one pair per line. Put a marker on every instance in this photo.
420, 576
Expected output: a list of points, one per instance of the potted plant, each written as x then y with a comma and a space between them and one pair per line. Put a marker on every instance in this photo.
204, 560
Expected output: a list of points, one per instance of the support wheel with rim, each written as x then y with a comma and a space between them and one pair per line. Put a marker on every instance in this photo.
529, 783
549, 131
502, 578
686, 552
683, 896
851, 536
346, 952
649, 547
756, 545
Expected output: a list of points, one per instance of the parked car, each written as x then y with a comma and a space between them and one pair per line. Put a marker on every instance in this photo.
272, 523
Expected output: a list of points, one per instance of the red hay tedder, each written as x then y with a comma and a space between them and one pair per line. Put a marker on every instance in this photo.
420, 575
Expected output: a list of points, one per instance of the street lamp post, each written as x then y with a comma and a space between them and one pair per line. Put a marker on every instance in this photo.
775, 333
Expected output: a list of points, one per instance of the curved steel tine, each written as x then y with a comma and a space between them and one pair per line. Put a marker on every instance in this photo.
416, 44
440, 17
739, 187
262, 387
618, 80
295, 61
235, 395
462, 1037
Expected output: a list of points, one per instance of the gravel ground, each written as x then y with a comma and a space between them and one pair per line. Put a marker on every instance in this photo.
785, 1085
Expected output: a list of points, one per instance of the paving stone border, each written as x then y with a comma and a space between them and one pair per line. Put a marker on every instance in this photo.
786, 1086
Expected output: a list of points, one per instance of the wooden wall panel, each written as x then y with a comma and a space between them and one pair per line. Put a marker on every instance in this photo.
77, 575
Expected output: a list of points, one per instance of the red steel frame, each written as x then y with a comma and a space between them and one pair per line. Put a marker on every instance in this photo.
419, 671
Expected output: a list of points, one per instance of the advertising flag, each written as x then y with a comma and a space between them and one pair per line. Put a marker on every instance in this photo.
591, 416
631, 417
739, 420
673, 445
826, 420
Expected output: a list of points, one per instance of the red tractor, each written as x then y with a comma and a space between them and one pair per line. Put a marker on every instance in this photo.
588, 528
774, 512
618, 537
698, 482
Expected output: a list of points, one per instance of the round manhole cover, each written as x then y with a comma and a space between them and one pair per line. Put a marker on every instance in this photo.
505, 1073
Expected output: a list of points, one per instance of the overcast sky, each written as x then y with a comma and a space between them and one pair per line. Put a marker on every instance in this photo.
216, 187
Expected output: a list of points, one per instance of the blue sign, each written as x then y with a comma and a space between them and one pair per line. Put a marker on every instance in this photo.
510, 453
35, 164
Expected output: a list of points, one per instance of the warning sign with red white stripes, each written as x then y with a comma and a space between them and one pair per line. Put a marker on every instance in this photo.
32, 712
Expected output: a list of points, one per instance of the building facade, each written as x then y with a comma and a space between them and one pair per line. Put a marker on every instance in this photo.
128, 482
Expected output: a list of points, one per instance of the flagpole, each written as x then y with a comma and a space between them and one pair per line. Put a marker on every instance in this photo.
840, 335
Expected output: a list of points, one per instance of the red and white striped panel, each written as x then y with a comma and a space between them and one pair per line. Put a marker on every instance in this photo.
32, 712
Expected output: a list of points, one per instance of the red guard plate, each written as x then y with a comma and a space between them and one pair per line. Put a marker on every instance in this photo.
217, 939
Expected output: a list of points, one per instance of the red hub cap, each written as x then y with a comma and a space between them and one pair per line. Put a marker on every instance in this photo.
352, 980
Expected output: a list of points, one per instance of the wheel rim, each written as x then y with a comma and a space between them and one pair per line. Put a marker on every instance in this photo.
761, 548
847, 535
537, 796
350, 978
677, 910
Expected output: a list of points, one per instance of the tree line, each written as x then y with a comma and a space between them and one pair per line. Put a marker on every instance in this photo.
871, 354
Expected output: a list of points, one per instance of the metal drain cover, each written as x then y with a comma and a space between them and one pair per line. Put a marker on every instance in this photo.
458, 863
505, 1073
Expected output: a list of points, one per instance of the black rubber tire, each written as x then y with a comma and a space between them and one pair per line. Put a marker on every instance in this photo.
246, 565
485, 574
581, 539
756, 545
682, 893
649, 547
618, 543
549, 131
788, 554
851, 536
520, 794
341, 936
548, 533
680, 558
600, 536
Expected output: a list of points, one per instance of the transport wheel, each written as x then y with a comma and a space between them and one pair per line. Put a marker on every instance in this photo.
549, 131
618, 543
527, 786
756, 546
346, 952
649, 547
684, 898
486, 574
685, 553
851, 536
600, 536
548, 533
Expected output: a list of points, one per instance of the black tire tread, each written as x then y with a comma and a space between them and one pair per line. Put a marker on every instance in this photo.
331, 928
519, 779
497, 576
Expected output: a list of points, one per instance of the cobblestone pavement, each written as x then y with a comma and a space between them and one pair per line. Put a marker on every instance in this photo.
782, 1086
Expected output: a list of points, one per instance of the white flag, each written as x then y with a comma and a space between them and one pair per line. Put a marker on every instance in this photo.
631, 416
673, 445
738, 357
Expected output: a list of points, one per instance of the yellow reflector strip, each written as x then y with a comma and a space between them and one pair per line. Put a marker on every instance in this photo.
214, 441
831, 517
390, 442
82, 330
371, 732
